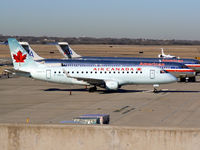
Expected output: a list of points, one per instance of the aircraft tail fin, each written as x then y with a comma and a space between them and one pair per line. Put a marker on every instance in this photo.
66, 50
21, 59
162, 51
30, 51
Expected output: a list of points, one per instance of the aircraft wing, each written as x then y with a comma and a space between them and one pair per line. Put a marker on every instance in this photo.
104, 83
91, 81
18, 72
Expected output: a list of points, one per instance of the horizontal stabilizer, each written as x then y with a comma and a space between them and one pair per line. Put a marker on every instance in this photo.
18, 72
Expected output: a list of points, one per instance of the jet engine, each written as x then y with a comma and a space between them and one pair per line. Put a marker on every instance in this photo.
111, 85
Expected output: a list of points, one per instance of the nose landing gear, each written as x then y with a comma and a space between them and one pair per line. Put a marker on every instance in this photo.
155, 86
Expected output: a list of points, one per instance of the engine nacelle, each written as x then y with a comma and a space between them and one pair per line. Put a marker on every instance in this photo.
111, 85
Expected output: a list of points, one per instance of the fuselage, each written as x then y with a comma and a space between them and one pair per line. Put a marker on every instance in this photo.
191, 63
121, 73
177, 69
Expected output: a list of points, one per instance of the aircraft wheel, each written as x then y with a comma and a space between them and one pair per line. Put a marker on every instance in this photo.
92, 89
182, 79
192, 79
155, 90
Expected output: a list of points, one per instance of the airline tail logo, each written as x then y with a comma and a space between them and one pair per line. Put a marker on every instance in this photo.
19, 57
31, 54
70, 51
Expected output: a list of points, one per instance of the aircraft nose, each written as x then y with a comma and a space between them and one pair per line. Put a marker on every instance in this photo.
173, 78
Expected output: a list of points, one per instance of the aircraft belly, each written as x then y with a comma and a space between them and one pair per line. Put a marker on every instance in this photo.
183, 74
197, 69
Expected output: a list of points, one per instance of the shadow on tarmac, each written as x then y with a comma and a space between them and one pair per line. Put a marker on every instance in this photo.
169, 91
98, 91
119, 91
57, 89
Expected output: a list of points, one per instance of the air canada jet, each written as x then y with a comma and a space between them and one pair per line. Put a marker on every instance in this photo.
106, 75
177, 69
163, 55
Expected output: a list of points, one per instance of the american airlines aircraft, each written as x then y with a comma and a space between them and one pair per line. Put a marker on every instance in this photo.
191, 63
163, 55
177, 69
107, 75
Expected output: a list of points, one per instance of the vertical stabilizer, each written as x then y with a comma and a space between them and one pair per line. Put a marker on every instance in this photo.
20, 57
66, 50
162, 51
30, 51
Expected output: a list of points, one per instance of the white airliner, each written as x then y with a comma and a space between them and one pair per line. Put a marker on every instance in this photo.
163, 55
177, 69
106, 75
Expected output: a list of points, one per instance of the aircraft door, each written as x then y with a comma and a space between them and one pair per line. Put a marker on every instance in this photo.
152, 74
48, 74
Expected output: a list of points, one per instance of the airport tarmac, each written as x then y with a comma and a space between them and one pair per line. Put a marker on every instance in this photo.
176, 105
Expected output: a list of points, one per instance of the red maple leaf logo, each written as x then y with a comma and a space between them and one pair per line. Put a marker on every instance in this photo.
19, 57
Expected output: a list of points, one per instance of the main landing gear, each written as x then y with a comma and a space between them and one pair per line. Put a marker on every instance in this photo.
188, 79
92, 89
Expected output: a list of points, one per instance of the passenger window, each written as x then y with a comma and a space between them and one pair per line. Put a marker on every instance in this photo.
54, 71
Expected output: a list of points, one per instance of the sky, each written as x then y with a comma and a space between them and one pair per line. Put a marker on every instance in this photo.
152, 19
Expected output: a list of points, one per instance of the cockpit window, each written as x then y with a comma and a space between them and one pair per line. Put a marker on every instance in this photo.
163, 71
